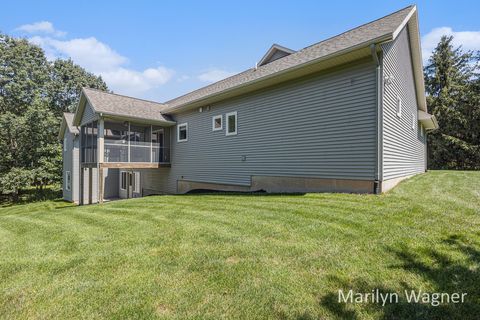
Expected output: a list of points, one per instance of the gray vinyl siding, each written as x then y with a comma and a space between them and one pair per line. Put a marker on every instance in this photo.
403, 148
121, 193
86, 185
111, 183
71, 163
320, 126
89, 114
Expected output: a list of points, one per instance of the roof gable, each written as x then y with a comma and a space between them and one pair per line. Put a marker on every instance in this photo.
67, 124
275, 52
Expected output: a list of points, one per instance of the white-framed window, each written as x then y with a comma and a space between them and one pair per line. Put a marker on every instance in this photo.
68, 180
421, 130
217, 123
64, 144
231, 119
414, 121
136, 182
399, 107
182, 132
123, 180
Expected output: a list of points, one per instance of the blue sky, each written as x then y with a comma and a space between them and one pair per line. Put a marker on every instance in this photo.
161, 49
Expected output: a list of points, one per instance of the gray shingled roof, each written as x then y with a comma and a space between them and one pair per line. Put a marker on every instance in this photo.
119, 105
364, 34
69, 121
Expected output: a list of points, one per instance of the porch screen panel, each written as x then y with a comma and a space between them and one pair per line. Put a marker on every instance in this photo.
116, 141
139, 143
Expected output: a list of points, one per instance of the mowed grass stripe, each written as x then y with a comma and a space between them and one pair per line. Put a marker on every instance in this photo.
243, 256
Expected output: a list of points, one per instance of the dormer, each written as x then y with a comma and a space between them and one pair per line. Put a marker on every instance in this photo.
275, 52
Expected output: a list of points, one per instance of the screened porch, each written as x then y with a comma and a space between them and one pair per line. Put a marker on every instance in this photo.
125, 142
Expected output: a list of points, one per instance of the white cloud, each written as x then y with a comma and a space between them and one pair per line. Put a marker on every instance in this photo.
136, 82
45, 27
87, 52
214, 75
183, 78
469, 40
97, 57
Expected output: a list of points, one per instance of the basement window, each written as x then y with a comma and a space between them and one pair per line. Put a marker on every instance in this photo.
399, 107
123, 182
182, 132
68, 180
217, 123
231, 123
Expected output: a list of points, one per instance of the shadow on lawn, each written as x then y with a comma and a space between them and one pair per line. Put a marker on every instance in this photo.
435, 267
238, 193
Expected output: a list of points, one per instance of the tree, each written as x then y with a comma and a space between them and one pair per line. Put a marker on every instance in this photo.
33, 95
41, 151
14, 180
65, 85
453, 95
24, 74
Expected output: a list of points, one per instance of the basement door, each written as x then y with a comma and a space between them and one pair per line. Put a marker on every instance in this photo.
130, 186
134, 184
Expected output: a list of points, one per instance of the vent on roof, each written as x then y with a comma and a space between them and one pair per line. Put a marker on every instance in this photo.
274, 53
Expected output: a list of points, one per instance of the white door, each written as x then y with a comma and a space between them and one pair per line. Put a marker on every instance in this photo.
134, 185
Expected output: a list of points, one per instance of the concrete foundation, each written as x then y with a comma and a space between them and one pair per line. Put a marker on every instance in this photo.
390, 184
184, 186
283, 185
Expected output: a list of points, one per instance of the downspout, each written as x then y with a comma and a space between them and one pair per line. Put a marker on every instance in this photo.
379, 99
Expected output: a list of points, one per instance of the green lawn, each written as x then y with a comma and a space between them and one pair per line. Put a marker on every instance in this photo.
245, 256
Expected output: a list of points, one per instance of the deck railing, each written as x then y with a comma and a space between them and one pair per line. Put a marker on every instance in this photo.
122, 151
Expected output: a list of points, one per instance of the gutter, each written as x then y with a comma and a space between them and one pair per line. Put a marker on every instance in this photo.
117, 116
379, 100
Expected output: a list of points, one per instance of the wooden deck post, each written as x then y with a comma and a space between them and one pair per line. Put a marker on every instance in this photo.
100, 141
100, 158
82, 181
100, 184
90, 182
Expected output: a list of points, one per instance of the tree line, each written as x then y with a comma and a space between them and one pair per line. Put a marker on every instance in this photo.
34, 93
452, 81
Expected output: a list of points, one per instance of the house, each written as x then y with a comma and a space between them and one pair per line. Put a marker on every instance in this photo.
347, 114
69, 134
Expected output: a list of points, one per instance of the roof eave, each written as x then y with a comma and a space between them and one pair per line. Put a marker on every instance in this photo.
114, 116
411, 22
429, 121
61, 133
77, 118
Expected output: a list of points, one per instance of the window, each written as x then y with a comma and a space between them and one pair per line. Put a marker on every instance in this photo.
231, 123
123, 183
421, 130
68, 180
414, 121
182, 132
64, 144
399, 107
217, 123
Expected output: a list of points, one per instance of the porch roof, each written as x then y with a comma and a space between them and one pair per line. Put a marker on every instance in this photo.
121, 107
